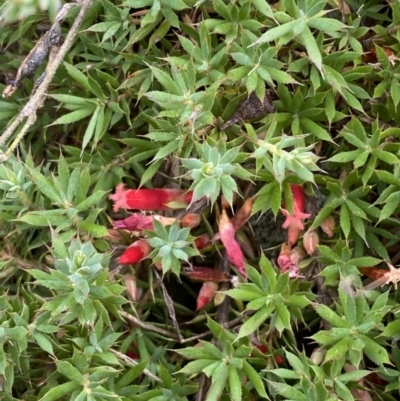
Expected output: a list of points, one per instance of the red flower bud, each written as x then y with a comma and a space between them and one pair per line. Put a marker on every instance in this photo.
310, 242
202, 241
150, 199
132, 289
328, 225
285, 262
293, 234
318, 356
297, 254
135, 253
284, 256
206, 294
233, 250
191, 220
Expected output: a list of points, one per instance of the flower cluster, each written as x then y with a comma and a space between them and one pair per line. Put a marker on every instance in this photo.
167, 248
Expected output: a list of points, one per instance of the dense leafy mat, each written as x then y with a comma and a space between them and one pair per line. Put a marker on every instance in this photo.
217, 110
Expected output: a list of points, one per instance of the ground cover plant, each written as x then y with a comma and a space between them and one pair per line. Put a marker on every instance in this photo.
199, 200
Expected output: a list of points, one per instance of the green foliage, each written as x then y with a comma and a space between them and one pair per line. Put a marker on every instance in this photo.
171, 245
271, 297
225, 366
212, 173
143, 98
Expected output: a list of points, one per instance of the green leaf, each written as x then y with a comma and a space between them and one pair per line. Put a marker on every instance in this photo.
365, 261
167, 149
235, 386
345, 157
374, 351
330, 316
345, 223
90, 201
255, 379
70, 371
325, 24
264, 8
386, 157
77, 76
277, 32
197, 366
218, 382
358, 225
338, 350
391, 204
354, 376
312, 48
255, 321
200, 352
96, 230
166, 81
43, 342
45, 186
74, 116
90, 128
392, 329
289, 392
74, 100
315, 129
286, 373
151, 171
63, 173
60, 391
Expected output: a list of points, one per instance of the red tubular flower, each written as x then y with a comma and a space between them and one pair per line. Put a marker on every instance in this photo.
206, 294
135, 253
298, 215
140, 222
150, 199
207, 274
233, 250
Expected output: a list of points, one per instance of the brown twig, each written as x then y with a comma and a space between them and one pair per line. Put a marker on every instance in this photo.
170, 304
148, 326
132, 362
374, 38
37, 99
227, 325
223, 308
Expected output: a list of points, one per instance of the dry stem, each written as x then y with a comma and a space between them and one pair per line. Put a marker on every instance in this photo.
37, 100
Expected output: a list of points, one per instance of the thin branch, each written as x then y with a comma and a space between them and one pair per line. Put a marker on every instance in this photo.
374, 38
148, 326
132, 362
226, 326
170, 304
223, 308
38, 98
